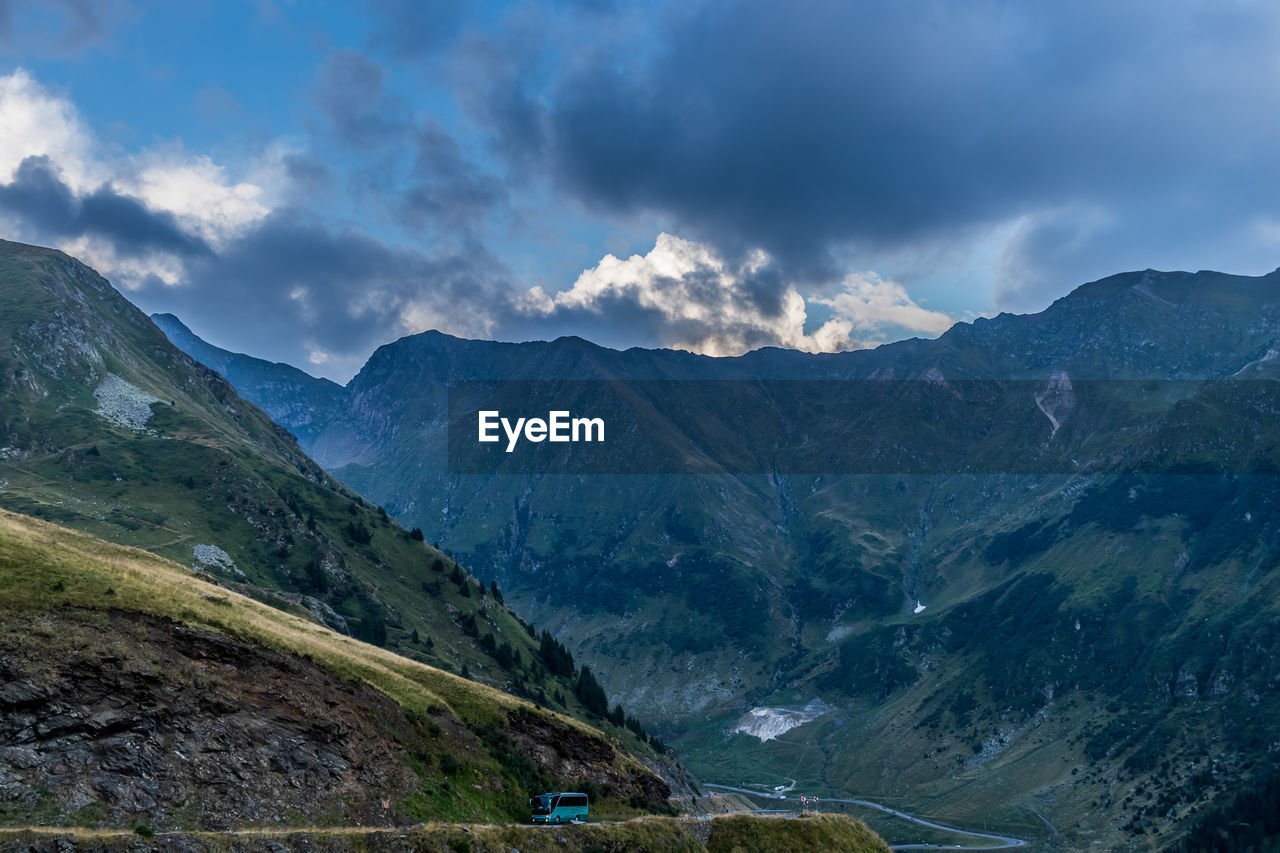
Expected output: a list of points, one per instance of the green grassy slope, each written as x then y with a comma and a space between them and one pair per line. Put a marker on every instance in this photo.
59, 589
474, 751
108, 428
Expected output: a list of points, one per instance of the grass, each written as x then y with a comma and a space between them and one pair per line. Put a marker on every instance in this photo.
213, 469
43, 566
749, 834
46, 568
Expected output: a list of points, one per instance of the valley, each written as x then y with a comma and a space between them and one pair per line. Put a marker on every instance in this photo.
230, 644
1034, 599
1052, 609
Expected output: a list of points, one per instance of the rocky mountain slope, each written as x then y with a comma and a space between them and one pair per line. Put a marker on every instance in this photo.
1062, 613
108, 428
138, 693
141, 701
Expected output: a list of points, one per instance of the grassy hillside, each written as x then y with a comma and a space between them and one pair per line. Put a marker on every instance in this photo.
454, 749
181, 655
108, 428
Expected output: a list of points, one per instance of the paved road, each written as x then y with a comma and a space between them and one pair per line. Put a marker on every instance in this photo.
1004, 842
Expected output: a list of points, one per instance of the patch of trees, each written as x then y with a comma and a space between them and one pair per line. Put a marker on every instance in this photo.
559, 661
556, 657
358, 533
1250, 822
590, 693
870, 664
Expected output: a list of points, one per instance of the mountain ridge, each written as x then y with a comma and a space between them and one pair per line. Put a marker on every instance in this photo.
109, 429
1059, 660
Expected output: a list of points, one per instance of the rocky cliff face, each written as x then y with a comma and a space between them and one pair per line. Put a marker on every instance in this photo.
171, 726
178, 727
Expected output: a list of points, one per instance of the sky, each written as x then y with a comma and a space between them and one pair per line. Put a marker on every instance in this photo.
305, 181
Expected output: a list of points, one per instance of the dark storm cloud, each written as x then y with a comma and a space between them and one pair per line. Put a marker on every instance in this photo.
40, 200
307, 173
350, 92
290, 287
809, 126
447, 190
412, 29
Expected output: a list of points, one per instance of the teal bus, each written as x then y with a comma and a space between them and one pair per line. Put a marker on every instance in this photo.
559, 807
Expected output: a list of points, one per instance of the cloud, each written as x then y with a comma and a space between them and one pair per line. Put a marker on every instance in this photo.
410, 29
198, 191
294, 290
823, 129
872, 305
350, 92
682, 294
36, 122
59, 27
134, 216
447, 190
38, 195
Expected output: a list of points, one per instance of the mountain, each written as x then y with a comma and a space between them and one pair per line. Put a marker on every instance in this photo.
1023, 575
107, 428
276, 388
139, 693
140, 698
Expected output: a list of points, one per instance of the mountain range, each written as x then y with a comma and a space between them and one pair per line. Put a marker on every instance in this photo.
281, 651
1049, 603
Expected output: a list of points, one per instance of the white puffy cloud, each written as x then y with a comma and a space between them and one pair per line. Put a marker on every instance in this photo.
872, 304
691, 298
36, 122
195, 190
203, 197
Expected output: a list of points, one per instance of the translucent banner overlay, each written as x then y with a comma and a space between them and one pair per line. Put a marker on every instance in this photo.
1055, 426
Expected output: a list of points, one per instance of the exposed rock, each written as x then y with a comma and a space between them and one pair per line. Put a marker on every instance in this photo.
213, 557
170, 726
123, 404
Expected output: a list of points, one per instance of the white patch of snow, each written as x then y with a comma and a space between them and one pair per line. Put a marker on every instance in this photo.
123, 404
1056, 400
768, 723
919, 607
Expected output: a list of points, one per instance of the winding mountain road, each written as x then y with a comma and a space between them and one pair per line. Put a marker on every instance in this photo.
1004, 842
